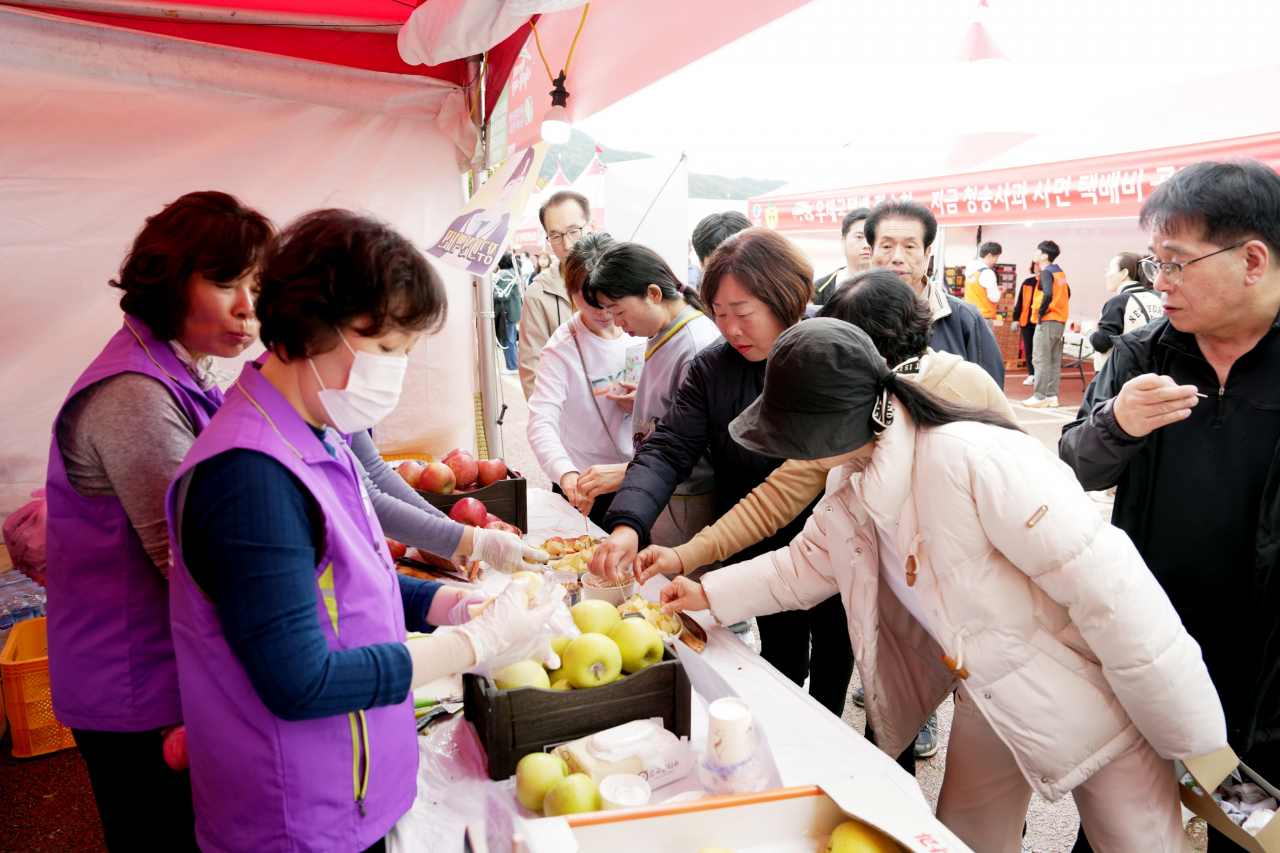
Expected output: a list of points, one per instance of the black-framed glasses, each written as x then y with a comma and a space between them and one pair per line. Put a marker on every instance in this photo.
572, 233
1172, 269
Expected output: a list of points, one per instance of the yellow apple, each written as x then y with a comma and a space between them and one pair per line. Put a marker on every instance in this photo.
639, 642
525, 673
854, 836
536, 774
562, 684
595, 616
558, 644
592, 660
572, 795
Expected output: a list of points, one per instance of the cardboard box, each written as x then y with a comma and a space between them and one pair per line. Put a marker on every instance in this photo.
1209, 771
507, 499
513, 723
787, 820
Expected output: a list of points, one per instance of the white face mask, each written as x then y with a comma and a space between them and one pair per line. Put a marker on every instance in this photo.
372, 392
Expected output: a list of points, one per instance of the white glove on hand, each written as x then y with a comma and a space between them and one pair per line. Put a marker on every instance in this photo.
461, 612
502, 550
510, 629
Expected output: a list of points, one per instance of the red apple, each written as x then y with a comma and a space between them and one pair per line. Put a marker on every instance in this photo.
490, 518
469, 511
499, 524
175, 747
397, 549
464, 468
457, 451
410, 470
438, 478
491, 471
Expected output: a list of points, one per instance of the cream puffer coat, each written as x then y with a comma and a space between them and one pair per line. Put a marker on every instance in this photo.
1071, 648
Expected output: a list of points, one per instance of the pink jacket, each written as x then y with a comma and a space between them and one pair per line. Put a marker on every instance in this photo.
1072, 649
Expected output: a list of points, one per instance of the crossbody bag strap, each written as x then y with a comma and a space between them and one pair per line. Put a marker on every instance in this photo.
591, 392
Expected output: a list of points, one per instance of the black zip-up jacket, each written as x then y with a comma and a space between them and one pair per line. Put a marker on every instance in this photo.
720, 385
1103, 455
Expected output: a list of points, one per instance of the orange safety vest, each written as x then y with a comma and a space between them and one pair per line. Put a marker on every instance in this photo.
1030, 302
976, 294
1061, 295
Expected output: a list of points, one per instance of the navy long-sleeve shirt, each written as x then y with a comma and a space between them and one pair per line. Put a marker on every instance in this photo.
252, 536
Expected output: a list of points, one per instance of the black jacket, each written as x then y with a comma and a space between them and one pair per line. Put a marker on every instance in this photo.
1103, 455
721, 383
963, 332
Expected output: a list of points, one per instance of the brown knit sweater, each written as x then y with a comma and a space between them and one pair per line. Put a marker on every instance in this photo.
793, 485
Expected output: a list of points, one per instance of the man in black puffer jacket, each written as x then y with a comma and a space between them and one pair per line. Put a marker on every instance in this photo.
1184, 420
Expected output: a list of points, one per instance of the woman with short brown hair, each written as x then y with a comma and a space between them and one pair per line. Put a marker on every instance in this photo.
757, 285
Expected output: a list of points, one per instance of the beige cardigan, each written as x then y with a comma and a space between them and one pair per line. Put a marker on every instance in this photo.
793, 486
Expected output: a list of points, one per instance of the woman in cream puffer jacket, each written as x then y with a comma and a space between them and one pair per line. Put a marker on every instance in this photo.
1068, 655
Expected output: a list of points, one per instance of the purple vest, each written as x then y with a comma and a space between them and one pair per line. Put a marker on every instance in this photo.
111, 665
259, 782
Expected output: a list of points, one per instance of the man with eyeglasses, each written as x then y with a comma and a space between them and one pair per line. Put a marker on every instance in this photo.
565, 217
1184, 420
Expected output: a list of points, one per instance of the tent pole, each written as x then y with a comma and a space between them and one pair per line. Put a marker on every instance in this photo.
486, 344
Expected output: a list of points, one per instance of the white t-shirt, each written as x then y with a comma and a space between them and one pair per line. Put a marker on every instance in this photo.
894, 574
987, 279
564, 427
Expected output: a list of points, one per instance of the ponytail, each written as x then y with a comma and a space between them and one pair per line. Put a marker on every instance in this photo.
927, 409
691, 296
627, 269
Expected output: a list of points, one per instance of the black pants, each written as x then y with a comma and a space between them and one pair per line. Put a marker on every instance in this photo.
1028, 335
598, 509
785, 643
144, 804
907, 760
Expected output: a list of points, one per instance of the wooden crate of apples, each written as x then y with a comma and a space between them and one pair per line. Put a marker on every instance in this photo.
476, 492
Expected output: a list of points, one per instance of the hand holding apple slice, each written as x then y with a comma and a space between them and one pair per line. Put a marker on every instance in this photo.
614, 556
683, 594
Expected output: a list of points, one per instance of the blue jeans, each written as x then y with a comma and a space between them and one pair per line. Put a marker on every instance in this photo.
509, 349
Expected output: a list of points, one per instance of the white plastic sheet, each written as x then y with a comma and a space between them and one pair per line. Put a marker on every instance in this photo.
84, 158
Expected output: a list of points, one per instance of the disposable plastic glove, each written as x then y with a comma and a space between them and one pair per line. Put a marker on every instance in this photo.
511, 629
502, 550
462, 611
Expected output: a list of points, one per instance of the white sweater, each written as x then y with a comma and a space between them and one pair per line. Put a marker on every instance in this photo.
564, 428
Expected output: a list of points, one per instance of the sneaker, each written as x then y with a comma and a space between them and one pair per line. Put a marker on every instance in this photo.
1030, 380
859, 697
1041, 402
926, 745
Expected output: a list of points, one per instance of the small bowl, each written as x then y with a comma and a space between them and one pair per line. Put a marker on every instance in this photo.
615, 595
624, 791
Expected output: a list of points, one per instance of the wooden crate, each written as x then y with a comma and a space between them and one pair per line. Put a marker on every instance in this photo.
507, 499
514, 723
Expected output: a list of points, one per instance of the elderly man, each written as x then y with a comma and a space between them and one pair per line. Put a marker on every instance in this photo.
1184, 420
901, 233
566, 216
857, 255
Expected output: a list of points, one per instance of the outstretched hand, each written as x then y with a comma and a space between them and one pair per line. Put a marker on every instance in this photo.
614, 556
683, 594
657, 560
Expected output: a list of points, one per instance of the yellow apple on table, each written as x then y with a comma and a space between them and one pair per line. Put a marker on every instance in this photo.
573, 795
536, 774
558, 645
854, 836
525, 673
592, 660
639, 642
595, 616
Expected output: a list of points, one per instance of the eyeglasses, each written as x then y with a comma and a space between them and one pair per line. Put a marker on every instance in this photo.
1172, 269
573, 234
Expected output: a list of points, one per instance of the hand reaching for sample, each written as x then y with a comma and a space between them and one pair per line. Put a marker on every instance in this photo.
505, 551
1147, 402
569, 485
683, 594
614, 556
509, 630
657, 560
600, 480
627, 401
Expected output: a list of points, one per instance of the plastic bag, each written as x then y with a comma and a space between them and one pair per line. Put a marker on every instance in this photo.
539, 646
24, 536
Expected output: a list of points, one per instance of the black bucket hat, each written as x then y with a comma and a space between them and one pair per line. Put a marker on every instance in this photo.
824, 394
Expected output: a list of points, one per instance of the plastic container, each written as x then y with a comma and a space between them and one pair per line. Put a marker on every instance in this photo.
24, 672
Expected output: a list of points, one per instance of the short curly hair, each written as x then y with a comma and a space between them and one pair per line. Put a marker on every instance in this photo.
897, 320
330, 268
207, 233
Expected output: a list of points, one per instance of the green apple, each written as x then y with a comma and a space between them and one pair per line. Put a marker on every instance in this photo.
537, 773
557, 674
639, 642
572, 795
853, 836
595, 616
558, 644
525, 673
592, 660
562, 684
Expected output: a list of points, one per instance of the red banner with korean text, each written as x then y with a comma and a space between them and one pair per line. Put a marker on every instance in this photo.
1110, 187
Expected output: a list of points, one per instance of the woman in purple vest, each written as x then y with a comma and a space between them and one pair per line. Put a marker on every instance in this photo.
189, 284
289, 621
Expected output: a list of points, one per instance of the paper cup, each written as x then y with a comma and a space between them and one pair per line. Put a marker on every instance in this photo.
624, 791
730, 736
